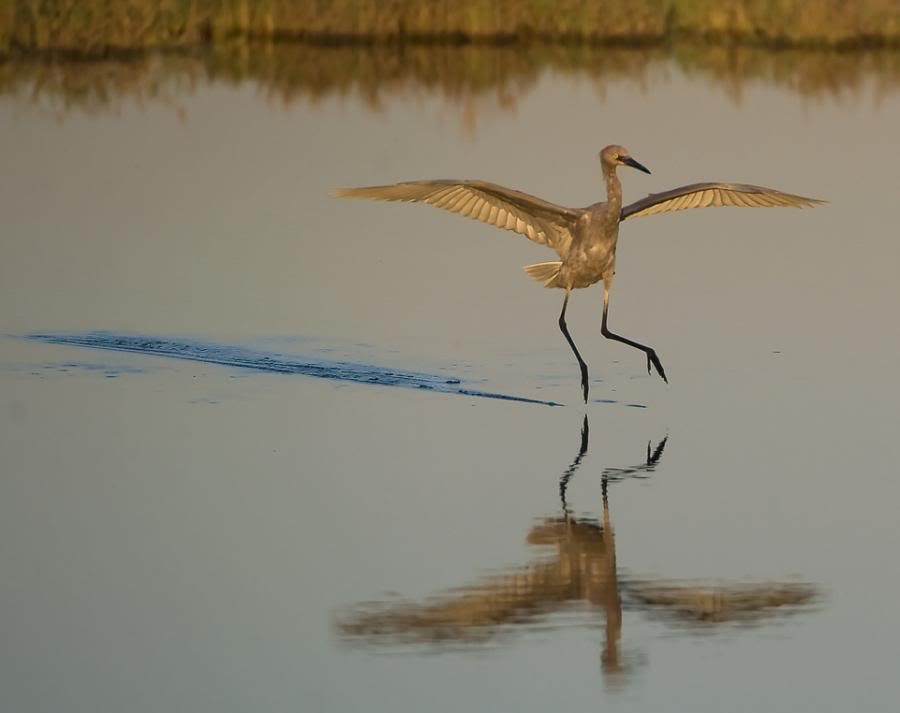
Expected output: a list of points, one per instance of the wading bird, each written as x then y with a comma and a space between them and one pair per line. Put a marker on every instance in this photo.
584, 238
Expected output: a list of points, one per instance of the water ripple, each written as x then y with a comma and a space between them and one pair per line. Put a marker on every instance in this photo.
246, 358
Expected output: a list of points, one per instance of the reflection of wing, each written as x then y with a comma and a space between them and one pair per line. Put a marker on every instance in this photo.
583, 569
705, 195
693, 603
541, 221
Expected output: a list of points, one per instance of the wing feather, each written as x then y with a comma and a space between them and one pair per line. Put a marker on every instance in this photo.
539, 220
703, 195
737, 200
453, 201
444, 195
469, 208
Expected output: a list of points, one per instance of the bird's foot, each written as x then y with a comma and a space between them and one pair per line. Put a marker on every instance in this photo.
654, 360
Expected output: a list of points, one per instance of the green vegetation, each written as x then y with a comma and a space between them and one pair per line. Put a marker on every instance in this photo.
97, 27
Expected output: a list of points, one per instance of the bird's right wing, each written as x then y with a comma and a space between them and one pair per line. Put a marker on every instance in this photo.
704, 195
539, 220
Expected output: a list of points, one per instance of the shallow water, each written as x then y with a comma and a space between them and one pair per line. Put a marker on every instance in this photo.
196, 535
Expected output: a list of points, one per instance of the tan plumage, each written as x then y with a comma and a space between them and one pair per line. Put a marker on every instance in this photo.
585, 238
537, 219
544, 272
707, 195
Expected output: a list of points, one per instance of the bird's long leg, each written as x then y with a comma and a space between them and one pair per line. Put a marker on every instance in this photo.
604, 330
565, 331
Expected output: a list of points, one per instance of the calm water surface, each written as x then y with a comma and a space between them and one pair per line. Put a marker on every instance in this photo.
212, 533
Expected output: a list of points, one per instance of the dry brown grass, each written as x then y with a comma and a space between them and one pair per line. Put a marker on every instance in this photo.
96, 27
833, 23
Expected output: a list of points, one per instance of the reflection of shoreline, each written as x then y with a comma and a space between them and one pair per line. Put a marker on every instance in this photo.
473, 77
577, 568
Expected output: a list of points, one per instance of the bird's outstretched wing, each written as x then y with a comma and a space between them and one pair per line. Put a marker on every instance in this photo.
539, 220
705, 195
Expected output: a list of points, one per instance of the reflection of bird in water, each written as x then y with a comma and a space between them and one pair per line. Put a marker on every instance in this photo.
584, 238
609, 474
582, 568
585, 532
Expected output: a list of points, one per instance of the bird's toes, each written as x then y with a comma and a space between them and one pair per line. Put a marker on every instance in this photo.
661, 372
651, 357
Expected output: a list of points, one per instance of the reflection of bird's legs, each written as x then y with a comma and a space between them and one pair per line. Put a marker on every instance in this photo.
565, 331
613, 605
604, 330
570, 471
653, 458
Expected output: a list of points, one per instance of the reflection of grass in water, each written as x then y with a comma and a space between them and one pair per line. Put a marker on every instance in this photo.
811, 74
464, 75
96, 26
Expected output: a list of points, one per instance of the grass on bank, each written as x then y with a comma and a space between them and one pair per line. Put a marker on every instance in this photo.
96, 27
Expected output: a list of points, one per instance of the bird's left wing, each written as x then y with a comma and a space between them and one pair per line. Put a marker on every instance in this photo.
539, 220
705, 195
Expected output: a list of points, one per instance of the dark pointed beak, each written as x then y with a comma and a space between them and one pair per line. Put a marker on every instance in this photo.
628, 161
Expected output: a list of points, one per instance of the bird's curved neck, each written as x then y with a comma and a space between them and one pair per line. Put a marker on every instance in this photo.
613, 187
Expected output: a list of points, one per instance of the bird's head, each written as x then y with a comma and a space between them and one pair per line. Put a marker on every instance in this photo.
613, 156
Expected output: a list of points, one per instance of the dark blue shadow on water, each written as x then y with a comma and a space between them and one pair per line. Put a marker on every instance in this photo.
272, 362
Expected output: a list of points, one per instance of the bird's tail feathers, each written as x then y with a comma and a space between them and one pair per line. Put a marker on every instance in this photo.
545, 272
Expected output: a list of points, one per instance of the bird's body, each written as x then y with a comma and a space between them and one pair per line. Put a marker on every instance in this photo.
591, 256
585, 239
